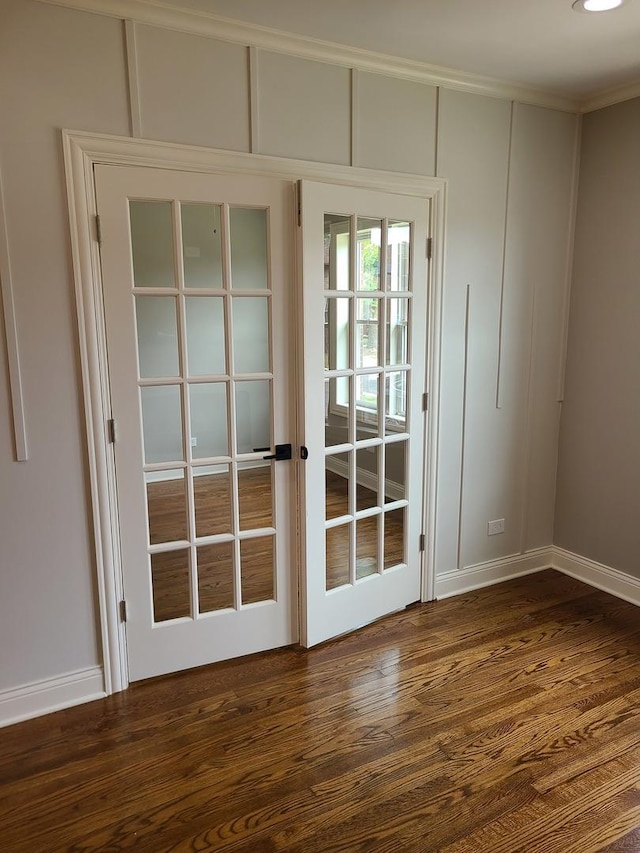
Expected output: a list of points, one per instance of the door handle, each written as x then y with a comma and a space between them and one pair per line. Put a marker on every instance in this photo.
283, 452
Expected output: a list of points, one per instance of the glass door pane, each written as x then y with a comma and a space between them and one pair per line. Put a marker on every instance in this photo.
188, 338
362, 344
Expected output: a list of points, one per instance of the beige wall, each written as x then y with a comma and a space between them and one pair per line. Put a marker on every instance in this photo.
509, 201
598, 501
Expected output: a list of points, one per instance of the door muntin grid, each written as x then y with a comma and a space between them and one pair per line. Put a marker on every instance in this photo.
205, 378
367, 342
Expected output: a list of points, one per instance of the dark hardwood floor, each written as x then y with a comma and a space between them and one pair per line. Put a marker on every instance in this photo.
502, 720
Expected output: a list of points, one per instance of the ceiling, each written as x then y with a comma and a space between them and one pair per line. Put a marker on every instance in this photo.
537, 43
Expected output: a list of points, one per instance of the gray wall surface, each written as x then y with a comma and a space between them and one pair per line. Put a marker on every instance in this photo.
68, 69
598, 498
59, 68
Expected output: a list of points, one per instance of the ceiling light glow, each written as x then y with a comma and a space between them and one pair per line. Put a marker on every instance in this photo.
596, 5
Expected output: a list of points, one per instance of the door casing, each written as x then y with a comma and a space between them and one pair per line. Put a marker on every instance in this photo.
81, 151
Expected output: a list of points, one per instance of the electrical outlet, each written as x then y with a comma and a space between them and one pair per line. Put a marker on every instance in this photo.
495, 527
194, 441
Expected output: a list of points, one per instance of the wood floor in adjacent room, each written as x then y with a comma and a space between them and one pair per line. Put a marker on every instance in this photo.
503, 720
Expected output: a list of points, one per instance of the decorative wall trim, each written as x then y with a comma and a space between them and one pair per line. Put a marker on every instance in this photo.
253, 58
610, 97
504, 262
577, 153
51, 694
11, 337
491, 572
133, 82
465, 389
602, 577
354, 114
203, 23
125, 151
529, 409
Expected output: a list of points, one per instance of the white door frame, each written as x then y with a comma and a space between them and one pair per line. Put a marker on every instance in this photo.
83, 150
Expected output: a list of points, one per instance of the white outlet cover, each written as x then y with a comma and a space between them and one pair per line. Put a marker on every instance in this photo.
495, 527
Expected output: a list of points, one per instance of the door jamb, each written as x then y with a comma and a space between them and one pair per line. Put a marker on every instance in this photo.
84, 150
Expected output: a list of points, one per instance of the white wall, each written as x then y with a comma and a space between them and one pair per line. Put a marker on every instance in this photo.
66, 68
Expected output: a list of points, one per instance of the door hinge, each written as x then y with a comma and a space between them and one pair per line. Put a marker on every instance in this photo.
123, 611
421, 545
425, 402
299, 201
98, 229
111, 430
429, 247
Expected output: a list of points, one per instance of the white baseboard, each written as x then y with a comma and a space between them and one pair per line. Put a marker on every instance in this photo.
595, 574
494, 571
598, 575
51, 694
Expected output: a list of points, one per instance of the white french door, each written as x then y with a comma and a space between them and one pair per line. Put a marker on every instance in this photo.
199, 326
365, 320
197, 286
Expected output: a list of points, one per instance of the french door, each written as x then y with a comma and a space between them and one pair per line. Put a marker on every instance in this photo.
365, 319
197, 281
199, 325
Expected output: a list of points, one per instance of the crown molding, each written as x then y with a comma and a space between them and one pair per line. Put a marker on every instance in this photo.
157, 13
611, 96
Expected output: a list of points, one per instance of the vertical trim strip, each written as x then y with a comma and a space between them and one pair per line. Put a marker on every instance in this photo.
135, 106
355, 106
504, 260
11, 337
464, 419
526, 474
569, 262
436, 131
254, 106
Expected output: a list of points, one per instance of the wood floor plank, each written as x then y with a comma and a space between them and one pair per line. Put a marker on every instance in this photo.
507, 719
572, 827
628, 843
